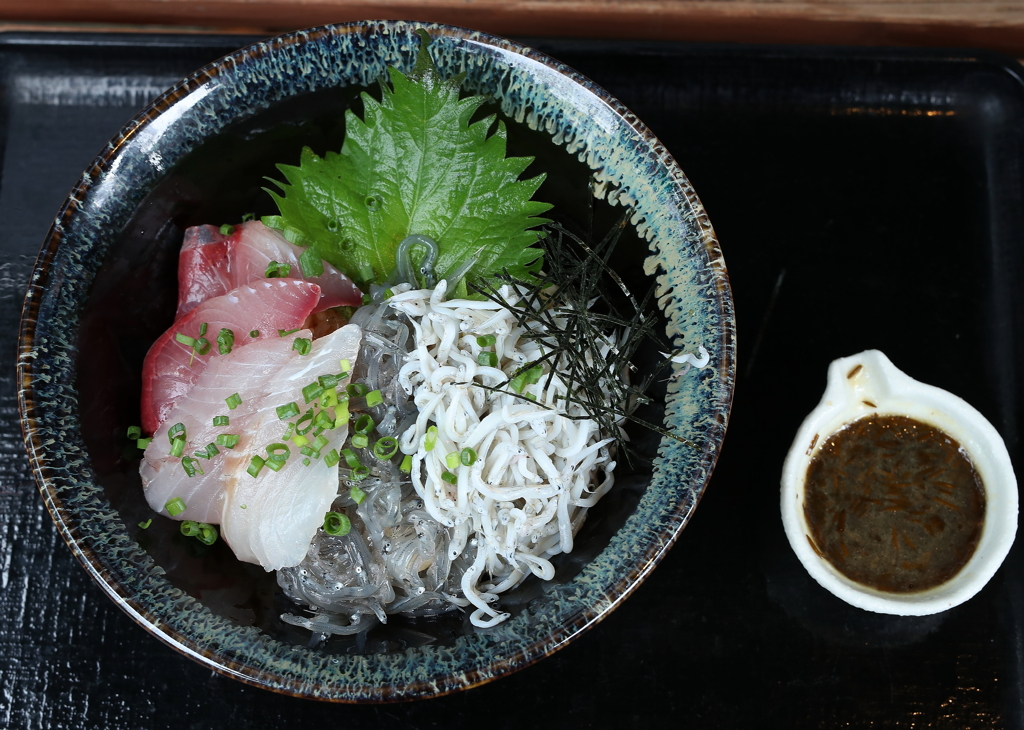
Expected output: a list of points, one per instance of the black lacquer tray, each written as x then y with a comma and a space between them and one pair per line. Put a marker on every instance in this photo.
863, 198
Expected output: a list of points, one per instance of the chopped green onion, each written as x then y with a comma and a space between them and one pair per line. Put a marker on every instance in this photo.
288, 432
202, 329
329, 398
305, 424
452, 460
534, 374
145, 525
225, 341
255, 466
300, 441
221, 421
341, 414
374, 398
487, 359
143, 443
227, 440
450, 478
359, 473
324, 421
406, 464
278, 452
227, 229
285, 333
385, 447
248, 217
202, 346
202, 531
191, 466
176, 431
319, 442
309, 451
254, 333
312, 391
275, 465
289, 410
177, 447
388, 294
311, 263
209, 452
356, 390
430, 438
350, 458
345, 365
233, 401
185, 340
207, 533
467, 456
277, 270
360, 440
337, 524
530, 396
329, 381
134, 433
486, 340
175, 507
306, 462
364, 424
331, 457
302, 345
357, 494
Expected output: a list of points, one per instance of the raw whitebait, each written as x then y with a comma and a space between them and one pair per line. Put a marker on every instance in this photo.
482, 456
500, 481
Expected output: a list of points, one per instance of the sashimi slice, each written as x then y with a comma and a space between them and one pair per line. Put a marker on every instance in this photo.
271, 519
265, 306
246, 371
212, 264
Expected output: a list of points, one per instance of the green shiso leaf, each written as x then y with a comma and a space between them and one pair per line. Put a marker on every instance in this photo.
414, 164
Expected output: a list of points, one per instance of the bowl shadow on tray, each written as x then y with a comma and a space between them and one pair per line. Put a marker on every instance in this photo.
133, 301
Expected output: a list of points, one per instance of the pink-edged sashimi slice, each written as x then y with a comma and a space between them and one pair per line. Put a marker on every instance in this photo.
212, 264
245, 371
262, 308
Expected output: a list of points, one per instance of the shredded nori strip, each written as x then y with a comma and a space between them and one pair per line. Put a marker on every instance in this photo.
575, 277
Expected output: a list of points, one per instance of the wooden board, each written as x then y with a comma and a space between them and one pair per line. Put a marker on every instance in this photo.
959, 23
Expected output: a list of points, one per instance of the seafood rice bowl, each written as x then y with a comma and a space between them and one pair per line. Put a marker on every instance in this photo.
429, 360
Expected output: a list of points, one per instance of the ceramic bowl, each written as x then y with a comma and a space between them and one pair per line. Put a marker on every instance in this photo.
104, 288
867, 385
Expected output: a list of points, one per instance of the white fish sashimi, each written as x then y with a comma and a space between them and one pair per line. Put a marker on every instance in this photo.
272, 518
247, 371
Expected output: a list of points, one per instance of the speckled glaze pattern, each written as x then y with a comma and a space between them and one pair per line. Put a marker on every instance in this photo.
631, 168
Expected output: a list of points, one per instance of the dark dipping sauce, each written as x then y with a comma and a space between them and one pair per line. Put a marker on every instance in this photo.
894, 504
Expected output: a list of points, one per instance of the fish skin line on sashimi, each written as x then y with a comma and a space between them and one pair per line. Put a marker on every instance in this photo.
172, 368
272, 518
247, 371
212, 264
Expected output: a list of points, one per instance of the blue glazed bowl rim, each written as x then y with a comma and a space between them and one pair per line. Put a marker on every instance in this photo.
48, 402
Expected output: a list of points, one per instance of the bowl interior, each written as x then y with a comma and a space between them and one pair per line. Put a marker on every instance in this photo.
221, 180
105, 289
